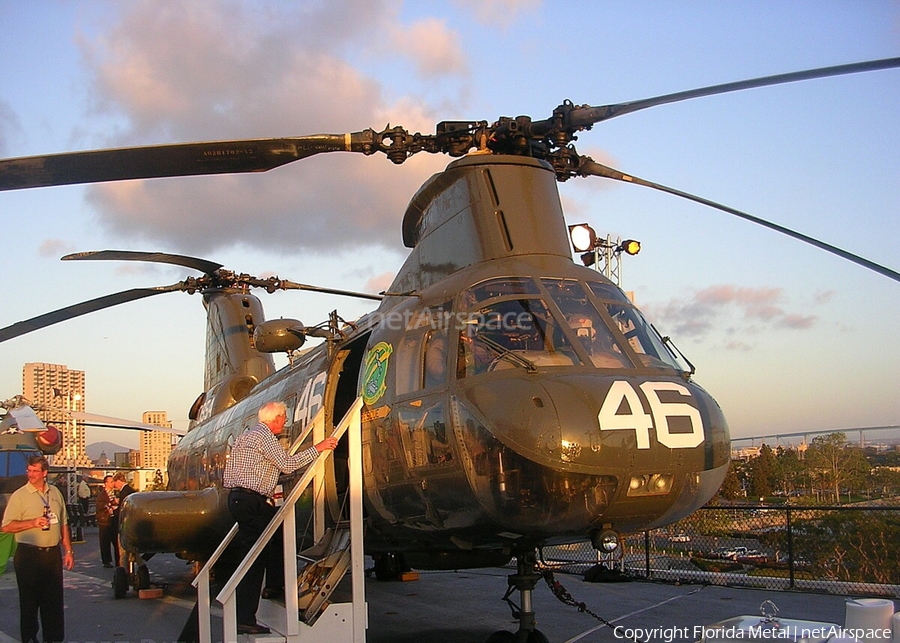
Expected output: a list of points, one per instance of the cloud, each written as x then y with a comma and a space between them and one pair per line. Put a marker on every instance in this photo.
434, 49
380, 283
54, 248
738, 346
498, 13
740, 310
232, 70
822, 297
797, 321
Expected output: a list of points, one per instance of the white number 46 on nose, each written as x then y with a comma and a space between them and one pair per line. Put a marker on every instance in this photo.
660, 412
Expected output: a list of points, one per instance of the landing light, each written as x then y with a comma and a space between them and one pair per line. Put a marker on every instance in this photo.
583, 237
606, 540
630, 246
656, 484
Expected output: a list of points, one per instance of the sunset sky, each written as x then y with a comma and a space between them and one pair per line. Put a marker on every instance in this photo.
784, 336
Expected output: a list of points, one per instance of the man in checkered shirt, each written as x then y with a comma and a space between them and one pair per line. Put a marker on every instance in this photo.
251, 474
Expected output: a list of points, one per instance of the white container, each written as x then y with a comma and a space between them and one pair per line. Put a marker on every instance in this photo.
869, 619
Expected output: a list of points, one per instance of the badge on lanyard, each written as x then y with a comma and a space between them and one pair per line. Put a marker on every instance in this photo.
49, 514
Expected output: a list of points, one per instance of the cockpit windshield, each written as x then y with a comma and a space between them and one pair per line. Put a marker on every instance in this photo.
642, 337
519, 322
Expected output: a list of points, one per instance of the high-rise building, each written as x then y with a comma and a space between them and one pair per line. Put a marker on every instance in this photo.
55, 391
156, 445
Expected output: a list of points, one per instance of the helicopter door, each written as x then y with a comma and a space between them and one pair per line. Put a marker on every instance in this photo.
423, 482
340, 392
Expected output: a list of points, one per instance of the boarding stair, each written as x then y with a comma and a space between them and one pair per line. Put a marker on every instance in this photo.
308, 615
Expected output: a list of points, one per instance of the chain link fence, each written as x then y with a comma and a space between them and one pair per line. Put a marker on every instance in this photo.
850, 551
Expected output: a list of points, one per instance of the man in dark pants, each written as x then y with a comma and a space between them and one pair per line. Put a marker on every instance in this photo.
251, 474
37, 515
106, 504
122, 490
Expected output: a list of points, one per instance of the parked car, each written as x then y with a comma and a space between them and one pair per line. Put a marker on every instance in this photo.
752, 556
680, 538
729, 553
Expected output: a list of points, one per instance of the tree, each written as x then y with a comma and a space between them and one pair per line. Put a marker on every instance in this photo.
788, 470
731, 486
836, 465
762, 469
850, 545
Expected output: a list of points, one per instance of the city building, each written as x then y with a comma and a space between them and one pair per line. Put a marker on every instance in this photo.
156, 445
56, 391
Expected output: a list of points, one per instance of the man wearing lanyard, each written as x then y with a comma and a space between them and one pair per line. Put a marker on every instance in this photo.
37, 515
251, 474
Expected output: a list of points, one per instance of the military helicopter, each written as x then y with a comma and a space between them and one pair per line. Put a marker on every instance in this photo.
22, 434
512, 399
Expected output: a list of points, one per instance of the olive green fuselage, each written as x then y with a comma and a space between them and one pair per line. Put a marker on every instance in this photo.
510, 396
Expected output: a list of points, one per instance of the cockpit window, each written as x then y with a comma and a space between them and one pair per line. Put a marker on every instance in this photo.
607, 292
642, 337
517, 323
503, 287
511, 333
586, 324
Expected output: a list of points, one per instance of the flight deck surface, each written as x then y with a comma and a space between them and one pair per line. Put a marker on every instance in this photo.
451, 607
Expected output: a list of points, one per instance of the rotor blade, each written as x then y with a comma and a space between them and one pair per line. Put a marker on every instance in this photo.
589, 167
207, 267
92, 419
183, 159
290, 285
26, 419
85, 307
583, 117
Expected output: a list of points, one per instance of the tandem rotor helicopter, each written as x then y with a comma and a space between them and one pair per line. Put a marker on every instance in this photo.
512, 399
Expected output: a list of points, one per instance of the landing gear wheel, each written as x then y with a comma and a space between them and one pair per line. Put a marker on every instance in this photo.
524, 581
120, 582
143, 578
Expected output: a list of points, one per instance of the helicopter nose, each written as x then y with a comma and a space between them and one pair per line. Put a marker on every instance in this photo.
614, 425
567, 453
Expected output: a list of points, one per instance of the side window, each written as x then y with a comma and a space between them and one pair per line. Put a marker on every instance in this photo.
290, 429
435, 367
407, 363
425, 436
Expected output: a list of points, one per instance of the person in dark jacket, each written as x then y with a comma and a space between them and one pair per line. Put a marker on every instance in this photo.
106, 504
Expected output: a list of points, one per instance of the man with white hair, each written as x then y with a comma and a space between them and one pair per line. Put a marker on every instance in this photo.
251, 474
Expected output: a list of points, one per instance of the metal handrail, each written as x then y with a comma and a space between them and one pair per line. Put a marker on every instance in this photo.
201, 582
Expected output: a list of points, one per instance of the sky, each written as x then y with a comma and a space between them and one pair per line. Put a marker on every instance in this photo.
786, 337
